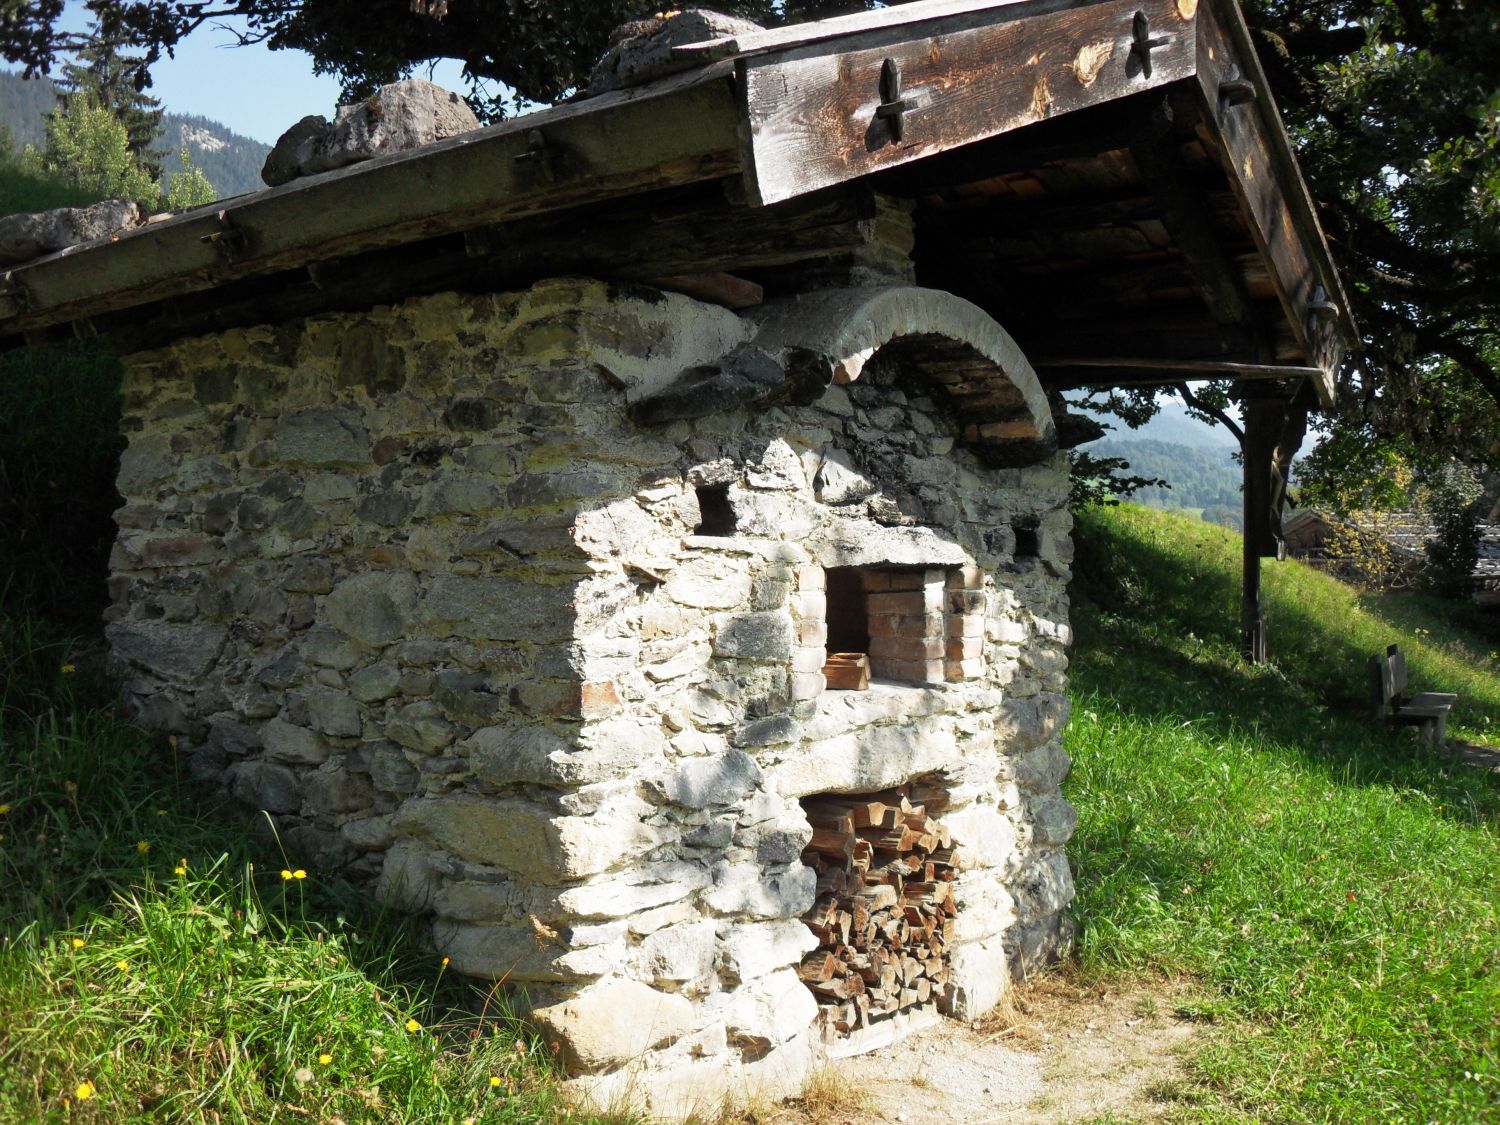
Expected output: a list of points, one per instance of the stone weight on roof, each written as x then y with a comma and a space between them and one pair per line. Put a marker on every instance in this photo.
400, 116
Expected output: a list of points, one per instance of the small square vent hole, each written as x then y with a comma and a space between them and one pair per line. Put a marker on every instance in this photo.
715, 513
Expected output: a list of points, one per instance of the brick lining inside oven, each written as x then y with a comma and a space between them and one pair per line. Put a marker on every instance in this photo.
915, 626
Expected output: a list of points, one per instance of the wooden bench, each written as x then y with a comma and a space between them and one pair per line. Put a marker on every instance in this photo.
1428, 710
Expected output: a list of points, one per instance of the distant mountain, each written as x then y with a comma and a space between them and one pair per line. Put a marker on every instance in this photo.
231, 162
1174, 425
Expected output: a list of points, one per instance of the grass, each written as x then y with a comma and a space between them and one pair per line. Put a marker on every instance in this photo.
151, 969
22, 191
1334, 885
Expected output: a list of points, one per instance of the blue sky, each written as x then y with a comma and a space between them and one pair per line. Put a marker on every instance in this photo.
254, 91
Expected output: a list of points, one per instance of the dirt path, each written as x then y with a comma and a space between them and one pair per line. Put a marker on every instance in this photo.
1059, 1053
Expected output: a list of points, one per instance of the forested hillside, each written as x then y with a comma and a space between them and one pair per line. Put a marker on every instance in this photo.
1203, 481
23, 104
231, 162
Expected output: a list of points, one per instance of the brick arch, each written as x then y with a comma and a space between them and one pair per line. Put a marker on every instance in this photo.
956, 344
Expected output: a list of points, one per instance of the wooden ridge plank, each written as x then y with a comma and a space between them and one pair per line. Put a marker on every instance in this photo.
812, 111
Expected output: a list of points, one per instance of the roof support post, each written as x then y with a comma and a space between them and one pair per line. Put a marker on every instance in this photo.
1261, 423
1274, 428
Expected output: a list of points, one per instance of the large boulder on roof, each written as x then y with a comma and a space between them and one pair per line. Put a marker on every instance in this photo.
397, 117
27, 236
641, 51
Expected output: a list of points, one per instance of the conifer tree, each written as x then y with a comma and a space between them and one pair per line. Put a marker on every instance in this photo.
112, 79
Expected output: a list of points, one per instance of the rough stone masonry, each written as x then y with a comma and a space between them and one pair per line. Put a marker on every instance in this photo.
413, 582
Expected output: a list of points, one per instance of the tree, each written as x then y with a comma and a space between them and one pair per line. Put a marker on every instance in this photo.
108, 77
88, 147
188, 186
1453, 502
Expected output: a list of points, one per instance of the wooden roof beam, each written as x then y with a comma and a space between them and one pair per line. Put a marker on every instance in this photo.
1185, 214
1239, 121
1071, 373
658, 236
603, 147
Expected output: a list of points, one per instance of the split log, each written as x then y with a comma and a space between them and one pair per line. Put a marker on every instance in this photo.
884, 913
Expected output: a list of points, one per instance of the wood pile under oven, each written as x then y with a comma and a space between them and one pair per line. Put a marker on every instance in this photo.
884, 909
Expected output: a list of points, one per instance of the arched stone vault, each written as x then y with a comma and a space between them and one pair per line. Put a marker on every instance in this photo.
806, 342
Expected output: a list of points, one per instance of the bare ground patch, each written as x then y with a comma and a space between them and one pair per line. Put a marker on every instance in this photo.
1059, 1050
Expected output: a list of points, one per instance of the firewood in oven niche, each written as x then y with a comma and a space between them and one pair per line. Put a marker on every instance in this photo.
884, 911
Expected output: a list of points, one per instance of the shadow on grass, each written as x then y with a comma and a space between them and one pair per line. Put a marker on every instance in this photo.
93, 807
1156, 633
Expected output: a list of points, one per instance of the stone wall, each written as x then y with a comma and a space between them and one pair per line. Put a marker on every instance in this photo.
410, 581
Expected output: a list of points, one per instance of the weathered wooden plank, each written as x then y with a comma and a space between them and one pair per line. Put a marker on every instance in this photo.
859, 23
1263, 172
653, 238
818, 116
1067, 373
680, 132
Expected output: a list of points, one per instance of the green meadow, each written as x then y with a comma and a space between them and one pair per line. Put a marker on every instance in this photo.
1329, 889
1334, 887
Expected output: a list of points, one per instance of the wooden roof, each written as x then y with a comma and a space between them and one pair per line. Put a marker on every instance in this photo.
1108, 179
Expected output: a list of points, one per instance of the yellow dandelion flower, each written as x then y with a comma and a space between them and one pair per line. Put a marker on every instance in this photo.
181, 868
4, 809
69, 669
78, 943
445, 962
494, 1081
143, 846
286, 874
85, 1090
324, 1059
123, 966
299, 874
413, 1026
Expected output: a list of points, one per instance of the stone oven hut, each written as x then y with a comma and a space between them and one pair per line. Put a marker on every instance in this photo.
635, 533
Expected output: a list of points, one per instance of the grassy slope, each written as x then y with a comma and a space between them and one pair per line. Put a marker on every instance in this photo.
1334, 888
158, 964
1334, 884
21, 191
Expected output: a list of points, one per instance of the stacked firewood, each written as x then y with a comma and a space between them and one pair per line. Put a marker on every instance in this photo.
885, 907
